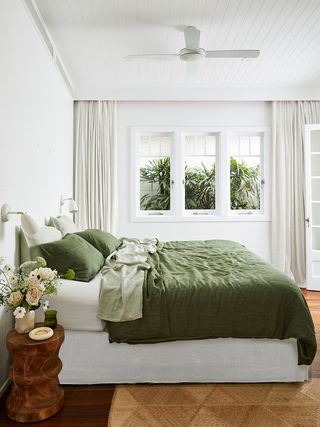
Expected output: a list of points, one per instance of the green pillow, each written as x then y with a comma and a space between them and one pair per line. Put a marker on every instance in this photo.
72, 252
105, 242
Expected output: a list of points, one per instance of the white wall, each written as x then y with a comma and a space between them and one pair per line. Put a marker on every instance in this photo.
255, 235
35, 134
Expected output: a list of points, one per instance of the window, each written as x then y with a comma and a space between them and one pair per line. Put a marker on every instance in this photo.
204, 174
155, 173
245, 173
199, 173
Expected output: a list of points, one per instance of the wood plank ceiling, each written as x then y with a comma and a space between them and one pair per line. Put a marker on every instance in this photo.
92, 36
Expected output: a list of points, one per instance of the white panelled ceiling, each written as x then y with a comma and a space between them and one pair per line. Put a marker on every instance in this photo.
92, 36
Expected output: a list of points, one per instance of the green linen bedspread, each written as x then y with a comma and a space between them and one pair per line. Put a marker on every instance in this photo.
217, 289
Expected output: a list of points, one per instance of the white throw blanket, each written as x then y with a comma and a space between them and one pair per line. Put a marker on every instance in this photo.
121, 292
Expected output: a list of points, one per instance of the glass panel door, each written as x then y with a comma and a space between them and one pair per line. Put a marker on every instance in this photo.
312, 184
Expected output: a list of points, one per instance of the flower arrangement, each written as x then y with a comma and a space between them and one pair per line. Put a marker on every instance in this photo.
24, 290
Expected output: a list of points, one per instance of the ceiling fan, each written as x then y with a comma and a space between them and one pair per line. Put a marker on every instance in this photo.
192, 51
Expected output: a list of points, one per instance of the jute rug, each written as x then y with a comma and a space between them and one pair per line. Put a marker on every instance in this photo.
202, 405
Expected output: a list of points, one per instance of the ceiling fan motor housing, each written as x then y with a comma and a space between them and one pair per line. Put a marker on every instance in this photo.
192, 54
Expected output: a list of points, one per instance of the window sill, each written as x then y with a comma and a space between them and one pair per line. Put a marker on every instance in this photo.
202, 218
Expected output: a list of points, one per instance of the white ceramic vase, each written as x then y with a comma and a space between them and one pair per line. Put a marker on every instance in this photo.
26, 324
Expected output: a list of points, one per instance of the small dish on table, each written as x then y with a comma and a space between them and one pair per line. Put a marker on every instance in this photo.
41, 333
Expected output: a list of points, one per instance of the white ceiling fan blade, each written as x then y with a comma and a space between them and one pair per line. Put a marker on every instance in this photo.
192, 37
161, 56
232, 53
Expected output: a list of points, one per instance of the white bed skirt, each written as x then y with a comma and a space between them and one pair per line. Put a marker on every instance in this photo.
89, 358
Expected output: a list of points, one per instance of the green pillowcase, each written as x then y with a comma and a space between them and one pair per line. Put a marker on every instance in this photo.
72, 252
104, 242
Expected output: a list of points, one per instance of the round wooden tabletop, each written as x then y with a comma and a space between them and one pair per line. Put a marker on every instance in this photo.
22, 340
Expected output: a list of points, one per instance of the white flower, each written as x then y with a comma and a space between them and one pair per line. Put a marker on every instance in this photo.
34, 294
13, 280
39, 285
46, 305
8, 269
15, 298
46, 273
34, 282
19, 312
34, 274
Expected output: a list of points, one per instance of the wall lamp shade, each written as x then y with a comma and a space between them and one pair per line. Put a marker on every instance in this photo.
72, 208
6, 211
29, 225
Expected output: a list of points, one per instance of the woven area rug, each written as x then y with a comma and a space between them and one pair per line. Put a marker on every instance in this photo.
202, 405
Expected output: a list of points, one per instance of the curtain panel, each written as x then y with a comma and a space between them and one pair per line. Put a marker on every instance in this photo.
288, 204
95, 131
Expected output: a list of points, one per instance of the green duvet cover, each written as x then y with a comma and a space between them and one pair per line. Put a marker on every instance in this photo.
217, 288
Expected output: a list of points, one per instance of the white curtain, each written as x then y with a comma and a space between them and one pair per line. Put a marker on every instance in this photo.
96, 164
288, 218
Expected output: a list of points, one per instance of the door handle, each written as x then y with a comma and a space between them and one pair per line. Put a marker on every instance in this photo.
307, 220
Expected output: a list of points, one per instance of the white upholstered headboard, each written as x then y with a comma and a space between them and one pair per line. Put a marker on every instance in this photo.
29, 244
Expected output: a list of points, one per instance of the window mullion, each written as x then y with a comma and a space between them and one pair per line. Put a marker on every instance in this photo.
264, 174
223, 185
135, 171
178, 190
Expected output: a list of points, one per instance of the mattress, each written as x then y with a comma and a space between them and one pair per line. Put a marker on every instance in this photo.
77, 305
89, 358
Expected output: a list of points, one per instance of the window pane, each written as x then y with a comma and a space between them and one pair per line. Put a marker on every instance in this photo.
245, 172
244, 146
154, 164
200, 169
234, 145
255, 145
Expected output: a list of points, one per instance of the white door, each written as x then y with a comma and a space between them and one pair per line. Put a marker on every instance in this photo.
312, 208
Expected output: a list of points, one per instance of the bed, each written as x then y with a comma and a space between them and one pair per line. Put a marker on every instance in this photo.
91, 356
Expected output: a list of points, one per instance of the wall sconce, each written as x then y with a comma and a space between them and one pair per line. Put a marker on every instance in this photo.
28, 224
6, 210
73, 207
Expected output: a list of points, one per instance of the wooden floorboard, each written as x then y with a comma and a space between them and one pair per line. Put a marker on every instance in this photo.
88, 406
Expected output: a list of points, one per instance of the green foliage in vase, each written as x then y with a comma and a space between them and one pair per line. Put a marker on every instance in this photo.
68, 275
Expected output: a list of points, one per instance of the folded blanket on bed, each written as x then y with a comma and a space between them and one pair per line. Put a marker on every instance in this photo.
122, 280
211, 289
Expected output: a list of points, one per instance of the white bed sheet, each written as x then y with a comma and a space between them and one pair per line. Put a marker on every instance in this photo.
89, 358
77, 305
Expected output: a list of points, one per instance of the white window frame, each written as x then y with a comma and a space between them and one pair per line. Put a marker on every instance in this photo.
136, 192
263, 170
199, 213
177, 212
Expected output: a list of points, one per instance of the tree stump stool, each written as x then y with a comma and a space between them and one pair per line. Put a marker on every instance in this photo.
35, 393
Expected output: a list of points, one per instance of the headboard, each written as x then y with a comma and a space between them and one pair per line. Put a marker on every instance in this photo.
24, 247
29, 245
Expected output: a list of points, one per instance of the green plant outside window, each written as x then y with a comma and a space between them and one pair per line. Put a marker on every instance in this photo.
200, 191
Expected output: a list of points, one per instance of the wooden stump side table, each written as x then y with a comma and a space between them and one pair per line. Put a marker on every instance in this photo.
35, 393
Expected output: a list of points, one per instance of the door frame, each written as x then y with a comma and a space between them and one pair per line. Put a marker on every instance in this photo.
311, 281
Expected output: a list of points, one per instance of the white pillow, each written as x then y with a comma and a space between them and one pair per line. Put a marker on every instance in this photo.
44, 235
64, 224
